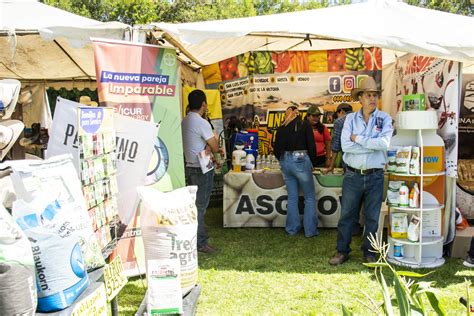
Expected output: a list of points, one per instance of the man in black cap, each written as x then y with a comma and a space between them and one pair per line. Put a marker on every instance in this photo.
197, 136
342, 110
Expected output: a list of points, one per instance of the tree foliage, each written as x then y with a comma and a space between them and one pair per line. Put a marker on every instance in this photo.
463, 7
127, 11
134, 12
145, 11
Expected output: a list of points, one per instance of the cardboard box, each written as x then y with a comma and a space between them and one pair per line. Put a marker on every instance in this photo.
462, 242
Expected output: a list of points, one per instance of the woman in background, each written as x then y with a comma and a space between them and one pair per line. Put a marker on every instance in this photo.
321, 137
295, 149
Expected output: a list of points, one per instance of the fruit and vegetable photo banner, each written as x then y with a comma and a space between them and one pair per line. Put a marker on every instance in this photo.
256, 87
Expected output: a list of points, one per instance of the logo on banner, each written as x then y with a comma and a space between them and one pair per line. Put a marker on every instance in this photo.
360, 78
91, 119
139, 111
169, 59
159, 161
334, 84
348, 83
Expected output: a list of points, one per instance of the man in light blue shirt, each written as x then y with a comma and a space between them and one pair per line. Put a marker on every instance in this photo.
365, 139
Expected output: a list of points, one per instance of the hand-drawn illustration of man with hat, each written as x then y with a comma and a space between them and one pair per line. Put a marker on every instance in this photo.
365, 139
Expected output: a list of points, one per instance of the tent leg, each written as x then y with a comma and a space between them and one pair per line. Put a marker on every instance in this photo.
114, 306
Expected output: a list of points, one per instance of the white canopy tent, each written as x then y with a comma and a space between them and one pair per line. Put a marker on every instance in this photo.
389, 24
394, 26
45, 44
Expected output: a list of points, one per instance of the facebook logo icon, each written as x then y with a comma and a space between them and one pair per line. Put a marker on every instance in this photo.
334, 84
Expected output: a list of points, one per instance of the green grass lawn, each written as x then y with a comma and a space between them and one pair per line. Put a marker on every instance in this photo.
264, 271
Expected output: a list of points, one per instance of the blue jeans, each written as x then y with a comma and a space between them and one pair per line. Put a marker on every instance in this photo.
356, 187
204, 183
297, 169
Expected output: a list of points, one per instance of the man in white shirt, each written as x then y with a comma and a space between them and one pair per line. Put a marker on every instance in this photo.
197, 136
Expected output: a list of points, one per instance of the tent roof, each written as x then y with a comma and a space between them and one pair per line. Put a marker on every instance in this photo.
40, 42
384, 23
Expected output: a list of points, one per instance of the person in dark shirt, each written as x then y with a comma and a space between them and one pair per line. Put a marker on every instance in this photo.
295, 149
342, 110
322, 137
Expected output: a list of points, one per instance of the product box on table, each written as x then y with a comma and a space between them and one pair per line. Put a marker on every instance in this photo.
462, 242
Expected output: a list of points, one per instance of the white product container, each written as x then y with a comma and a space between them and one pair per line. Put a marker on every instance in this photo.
238, 158
250, 162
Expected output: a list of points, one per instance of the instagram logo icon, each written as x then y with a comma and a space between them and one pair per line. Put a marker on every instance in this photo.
348, 83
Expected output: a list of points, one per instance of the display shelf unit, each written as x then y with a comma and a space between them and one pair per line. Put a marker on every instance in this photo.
413, 262
418, 175
426, 241
418, 128
427, 207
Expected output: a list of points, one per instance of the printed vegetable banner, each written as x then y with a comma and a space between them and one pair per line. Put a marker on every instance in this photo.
438, 80
257, 87
141, 81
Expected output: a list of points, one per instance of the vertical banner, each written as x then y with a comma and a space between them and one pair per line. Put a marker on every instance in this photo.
135, 141
141, 81
438, 80
257, 87
465, 181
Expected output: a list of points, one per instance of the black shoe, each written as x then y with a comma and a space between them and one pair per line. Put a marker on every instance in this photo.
338, 259
469, 262
207, 249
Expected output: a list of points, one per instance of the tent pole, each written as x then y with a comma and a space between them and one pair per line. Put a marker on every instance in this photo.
72, 59
305, 36
9, 69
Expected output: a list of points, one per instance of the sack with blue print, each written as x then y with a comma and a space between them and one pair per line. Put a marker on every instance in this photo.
60, 270
56, 179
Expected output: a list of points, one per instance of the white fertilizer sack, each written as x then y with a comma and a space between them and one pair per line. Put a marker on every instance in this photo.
57, 179
169, 229
60, 271
17, 269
